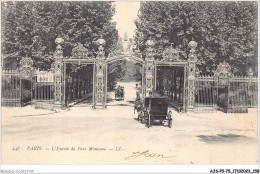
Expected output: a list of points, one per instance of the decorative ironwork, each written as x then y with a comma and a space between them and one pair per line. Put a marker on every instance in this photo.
79, 52
26, 69
44, 76
16, 84
11, 88
223, 73
252, 89
149, 50
239, 93
58, 55
171, 55
226, 92
79, 55
16, 88
101, 53
149, 69
43, 91
250, 73
192, 55
192, 59
205, 94
186, 88
237, 96
100, 80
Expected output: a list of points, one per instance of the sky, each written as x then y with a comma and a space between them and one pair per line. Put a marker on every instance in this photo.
126, 14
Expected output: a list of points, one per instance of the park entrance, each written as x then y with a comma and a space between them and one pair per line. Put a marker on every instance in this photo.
81, 76
73, 75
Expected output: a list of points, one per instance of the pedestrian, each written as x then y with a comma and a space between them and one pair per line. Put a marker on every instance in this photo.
138, 95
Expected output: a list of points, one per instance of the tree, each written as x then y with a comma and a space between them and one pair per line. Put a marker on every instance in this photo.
32, 27
116, 71
224, 31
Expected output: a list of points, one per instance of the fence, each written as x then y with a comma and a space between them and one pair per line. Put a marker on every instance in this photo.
205, 94
253, 92
230, 95
237, 96
242, 94
222, 91
43, 90
11, 88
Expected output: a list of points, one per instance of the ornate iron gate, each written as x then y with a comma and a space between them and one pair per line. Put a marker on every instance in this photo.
205, 94
252, 89
17, 84
185, 88
11, 88
225, 92
43, 90
48, 89
237, 96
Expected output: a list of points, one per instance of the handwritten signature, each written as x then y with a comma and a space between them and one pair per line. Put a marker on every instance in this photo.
147, 154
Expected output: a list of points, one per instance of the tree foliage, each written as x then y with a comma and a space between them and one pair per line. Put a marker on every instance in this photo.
223, 30
116, 69
32, 27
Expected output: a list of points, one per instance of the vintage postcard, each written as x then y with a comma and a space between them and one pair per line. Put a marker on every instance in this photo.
156, 82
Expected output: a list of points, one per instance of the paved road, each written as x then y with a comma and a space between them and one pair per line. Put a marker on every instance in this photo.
213, 138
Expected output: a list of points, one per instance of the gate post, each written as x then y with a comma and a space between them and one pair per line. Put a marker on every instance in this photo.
100, 79
250, 74
26, 73
149, 81
192, 59
58, 67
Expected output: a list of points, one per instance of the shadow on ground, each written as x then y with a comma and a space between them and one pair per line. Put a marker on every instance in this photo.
154, 123
131, 102
110, 100
35, 115
224, 138
119, 104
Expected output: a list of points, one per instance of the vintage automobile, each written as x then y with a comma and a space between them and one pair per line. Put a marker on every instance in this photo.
155, 109
119, 93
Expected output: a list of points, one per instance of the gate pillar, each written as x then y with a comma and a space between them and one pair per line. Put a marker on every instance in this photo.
26, 76
192, 59
149, 71
251, 96
99, 74
58, 67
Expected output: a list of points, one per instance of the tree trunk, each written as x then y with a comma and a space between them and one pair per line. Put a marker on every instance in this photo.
77, 86
84, 87
72, 89
80, 87
172, 91
174, 86
181, 88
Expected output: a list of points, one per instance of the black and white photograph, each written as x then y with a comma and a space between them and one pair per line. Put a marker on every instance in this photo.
129, 83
